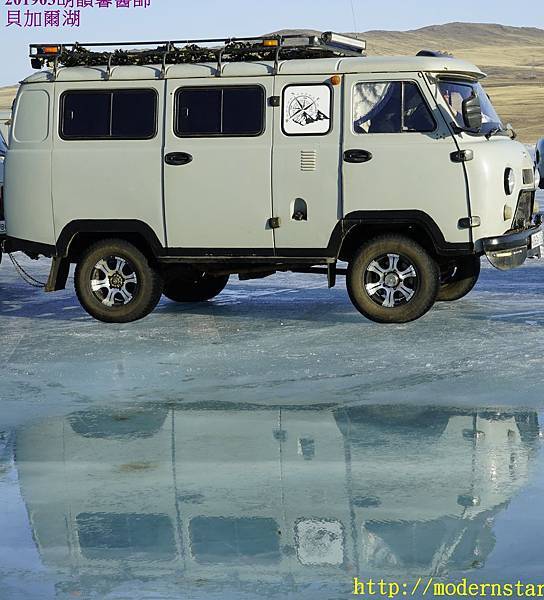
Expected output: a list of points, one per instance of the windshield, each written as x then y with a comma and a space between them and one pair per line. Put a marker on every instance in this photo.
3, 147
454, 92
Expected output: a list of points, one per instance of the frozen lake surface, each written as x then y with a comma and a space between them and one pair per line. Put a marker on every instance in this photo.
272, 443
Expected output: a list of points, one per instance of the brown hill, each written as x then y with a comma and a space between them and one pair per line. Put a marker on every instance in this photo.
6, 97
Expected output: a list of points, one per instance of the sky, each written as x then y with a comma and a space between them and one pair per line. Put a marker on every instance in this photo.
178, 19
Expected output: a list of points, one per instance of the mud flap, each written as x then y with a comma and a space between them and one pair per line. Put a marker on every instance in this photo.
58, 276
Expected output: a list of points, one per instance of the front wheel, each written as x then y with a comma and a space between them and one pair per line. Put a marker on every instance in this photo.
115, 283
458, 279
392, 279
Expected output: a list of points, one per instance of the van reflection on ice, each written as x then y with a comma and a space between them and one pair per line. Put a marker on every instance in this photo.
276, 494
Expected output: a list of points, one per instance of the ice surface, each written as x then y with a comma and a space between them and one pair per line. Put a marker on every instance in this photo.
286, 338
271, 443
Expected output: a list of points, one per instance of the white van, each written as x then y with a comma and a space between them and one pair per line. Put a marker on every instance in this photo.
166, 170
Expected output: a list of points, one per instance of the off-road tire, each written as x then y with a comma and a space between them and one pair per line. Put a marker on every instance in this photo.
147, 292
196, 287
462, 281
425, 283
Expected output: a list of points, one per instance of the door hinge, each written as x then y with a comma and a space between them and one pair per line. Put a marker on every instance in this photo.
462, 156
274, 100
274, 222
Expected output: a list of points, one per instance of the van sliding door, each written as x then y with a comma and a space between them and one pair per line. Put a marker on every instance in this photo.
217, 166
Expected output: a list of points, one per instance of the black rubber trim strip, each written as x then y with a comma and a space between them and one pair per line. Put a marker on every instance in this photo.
13, 244
332, 251
409, 217
107, 226
224, 252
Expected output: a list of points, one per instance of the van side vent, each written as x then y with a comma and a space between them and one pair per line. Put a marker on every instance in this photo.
308, 160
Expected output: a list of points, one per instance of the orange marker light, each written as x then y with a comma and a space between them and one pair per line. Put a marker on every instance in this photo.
336, 80
270, 43
50, 50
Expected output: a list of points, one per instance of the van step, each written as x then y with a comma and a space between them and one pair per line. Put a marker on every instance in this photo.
269, 260
319, 270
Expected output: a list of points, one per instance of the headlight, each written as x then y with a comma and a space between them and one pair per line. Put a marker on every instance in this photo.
509, 181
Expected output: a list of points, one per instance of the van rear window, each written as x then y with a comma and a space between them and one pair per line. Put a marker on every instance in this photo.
117, 114
219, 111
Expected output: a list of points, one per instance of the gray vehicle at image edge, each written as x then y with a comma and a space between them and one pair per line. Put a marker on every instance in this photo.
539, 154
193, 161
3, 150
5, 123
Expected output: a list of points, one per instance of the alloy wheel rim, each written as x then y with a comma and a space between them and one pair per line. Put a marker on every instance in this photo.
391, 280
114, 281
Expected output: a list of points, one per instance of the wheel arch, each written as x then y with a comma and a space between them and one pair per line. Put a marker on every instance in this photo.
360, 226
79, 235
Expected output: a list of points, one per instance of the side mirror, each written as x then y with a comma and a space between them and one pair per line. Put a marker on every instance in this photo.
472, 112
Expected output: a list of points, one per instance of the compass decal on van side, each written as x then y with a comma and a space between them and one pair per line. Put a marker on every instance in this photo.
306, 109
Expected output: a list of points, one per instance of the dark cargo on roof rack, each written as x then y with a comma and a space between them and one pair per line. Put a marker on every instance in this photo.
220, 50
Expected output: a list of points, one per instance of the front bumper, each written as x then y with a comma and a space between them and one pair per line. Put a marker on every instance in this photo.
511, 250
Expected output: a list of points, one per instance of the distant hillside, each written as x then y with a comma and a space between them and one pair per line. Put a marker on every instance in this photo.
513, 57
6, 97
455, 36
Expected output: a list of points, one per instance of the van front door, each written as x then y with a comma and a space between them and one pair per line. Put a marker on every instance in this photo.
217, 166
398, 156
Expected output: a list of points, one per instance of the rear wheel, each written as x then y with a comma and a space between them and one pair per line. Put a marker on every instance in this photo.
115, 283
392, 279
193, 286
458, 278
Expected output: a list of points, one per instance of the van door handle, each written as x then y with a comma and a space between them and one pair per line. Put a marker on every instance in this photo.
177, 159
357, 156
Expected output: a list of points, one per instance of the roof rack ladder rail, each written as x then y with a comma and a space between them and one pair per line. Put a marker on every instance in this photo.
169, 47
109, 69
220, 62
277, 57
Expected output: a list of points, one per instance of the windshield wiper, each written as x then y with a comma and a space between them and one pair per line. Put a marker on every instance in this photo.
511, 131
508, 130
458, 129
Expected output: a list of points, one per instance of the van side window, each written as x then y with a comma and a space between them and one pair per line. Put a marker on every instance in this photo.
219, 111
117, 114
390, 107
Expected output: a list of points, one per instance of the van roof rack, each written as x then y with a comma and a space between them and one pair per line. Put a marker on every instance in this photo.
271, 47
